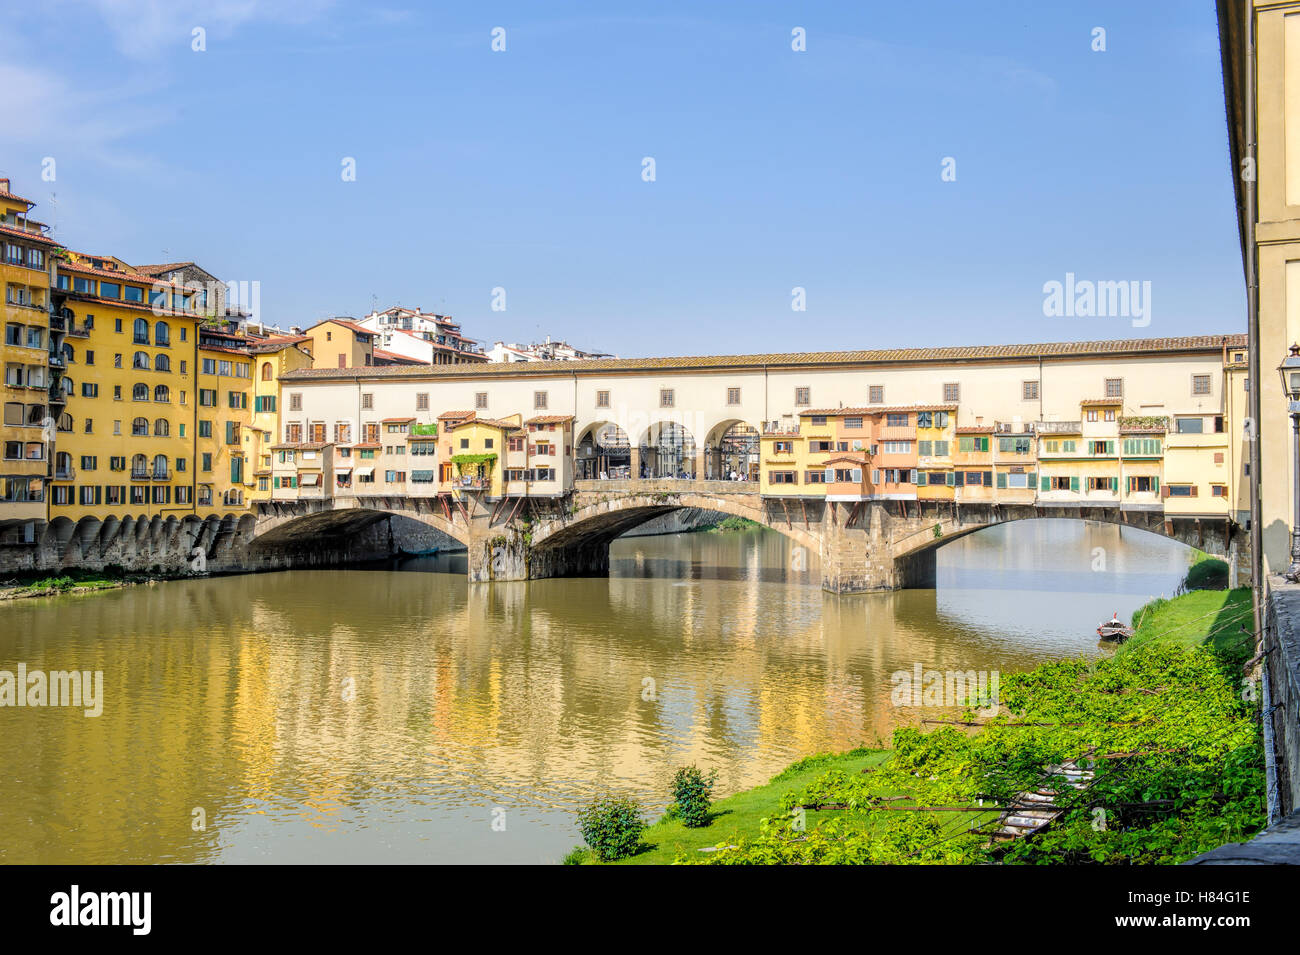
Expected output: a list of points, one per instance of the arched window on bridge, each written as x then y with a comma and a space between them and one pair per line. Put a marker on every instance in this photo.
604, 453
732, 449
667, 451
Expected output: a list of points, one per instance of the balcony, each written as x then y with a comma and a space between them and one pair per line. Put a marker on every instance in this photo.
164, 475
78, 331
472, 483
1059, 427
139, 475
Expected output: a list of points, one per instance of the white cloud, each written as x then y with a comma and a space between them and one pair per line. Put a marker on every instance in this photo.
143, 28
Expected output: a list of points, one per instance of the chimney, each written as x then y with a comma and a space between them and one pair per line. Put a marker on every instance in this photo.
295, 329
4, 184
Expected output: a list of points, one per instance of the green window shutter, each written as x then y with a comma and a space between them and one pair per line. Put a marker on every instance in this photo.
1114, 484
1002, 479
1033, 480
952, 479
1155, 484
921, 479
924, 448
1074, 484
1046, 484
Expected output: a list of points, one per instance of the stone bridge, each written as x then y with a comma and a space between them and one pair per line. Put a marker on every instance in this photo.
861, 546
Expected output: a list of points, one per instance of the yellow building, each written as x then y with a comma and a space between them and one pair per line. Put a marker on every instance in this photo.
935, 434
126, 428
272, 356
32, 365
340, 343
1196, 473
473, 452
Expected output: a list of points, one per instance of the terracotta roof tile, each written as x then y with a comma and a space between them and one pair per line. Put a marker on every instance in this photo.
31, 236
967, 353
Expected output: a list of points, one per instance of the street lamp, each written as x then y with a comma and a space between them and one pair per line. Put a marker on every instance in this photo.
1290, 372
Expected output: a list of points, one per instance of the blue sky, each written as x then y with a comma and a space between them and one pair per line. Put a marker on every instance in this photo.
522, 169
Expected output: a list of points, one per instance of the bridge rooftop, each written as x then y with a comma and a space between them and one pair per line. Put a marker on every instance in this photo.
961, 353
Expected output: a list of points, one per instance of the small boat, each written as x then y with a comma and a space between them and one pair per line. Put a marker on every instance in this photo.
1114, 630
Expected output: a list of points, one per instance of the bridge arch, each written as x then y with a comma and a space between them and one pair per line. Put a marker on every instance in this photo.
291, 525
600, 522
731, 445
668, 450
603, 452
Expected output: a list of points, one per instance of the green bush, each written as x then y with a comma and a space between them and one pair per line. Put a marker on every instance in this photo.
1208, 574
612, 826
692, 795
576, 856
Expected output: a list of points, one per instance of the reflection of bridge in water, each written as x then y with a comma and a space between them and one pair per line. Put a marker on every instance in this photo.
861, 546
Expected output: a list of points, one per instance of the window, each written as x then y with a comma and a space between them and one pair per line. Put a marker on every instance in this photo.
140, 332
1200, 384
89, 389
1029, 390
422, 401
782, 477
295, 401
162, 363
814, 477
602, 399
160, 393
896, 420
1114, 388
876, 394
480, 400
951, 391
853, 424
802, 397
161, 334
367, 401
539, 401
205, 429
733, 396
665, 397
1189, 425
1092, 414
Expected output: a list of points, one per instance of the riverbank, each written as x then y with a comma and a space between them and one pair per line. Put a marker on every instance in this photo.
1169, 724
24, 586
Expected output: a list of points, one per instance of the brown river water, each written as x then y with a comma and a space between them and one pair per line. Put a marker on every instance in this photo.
399, 714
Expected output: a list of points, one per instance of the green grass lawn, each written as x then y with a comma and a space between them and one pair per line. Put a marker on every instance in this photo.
739, 815
1201, 618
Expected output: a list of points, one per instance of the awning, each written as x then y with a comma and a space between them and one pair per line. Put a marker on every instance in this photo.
365, 472
309, 480
422, 477
342, 472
